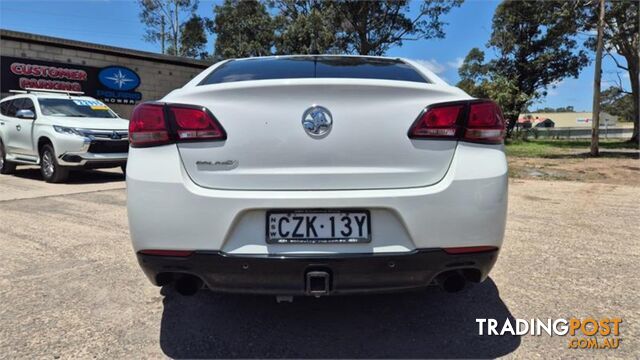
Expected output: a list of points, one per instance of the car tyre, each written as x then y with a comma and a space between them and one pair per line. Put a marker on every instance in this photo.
6, 167
51, 171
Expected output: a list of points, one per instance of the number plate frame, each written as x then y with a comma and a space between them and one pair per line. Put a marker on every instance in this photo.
337, 240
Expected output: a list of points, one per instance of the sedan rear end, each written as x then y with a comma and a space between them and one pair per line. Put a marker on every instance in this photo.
316, 175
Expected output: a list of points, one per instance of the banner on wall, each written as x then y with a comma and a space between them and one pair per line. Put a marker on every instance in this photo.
111, 84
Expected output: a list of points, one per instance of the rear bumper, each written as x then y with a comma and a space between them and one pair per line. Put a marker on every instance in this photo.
286, 275
166, 210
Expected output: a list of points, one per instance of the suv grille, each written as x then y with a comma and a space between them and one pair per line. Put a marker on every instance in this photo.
109, 146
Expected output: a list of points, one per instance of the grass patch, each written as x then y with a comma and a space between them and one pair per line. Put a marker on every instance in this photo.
552, 148
604, 144
522, 148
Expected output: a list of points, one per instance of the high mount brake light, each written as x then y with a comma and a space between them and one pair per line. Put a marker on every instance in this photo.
155, 124
473, 121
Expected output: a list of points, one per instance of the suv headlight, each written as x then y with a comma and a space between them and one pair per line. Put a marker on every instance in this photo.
67, 130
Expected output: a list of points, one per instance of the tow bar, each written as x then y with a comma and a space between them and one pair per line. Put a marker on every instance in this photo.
318, 283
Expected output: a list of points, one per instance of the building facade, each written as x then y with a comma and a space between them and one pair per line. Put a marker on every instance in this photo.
565, 119
119, 77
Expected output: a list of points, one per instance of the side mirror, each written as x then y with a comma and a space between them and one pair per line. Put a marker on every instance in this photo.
25, 114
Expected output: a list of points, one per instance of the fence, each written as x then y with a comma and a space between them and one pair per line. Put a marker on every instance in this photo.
577, 133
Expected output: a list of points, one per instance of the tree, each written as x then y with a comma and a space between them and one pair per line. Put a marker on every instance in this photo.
306, 27
621, 36
479, 80
193, 38
372, 27
314, 26
554, 110
544, 110
243, 29
162, 19
597, 76
474, 74
618, 103
536, 47
565, 109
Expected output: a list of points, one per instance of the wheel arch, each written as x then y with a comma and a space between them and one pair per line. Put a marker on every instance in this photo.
3, 133
42, 141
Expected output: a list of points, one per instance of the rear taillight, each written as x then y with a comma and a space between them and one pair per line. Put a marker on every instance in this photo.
484, 123
438, 122
473, 120
155, 124
148, 126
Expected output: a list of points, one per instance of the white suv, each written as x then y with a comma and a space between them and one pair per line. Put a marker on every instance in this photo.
316, 175
60, 131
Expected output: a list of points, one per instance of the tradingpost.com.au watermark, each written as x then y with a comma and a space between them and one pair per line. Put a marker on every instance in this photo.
586, 333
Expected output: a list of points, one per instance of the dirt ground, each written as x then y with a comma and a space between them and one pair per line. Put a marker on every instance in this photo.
70, 286
613, 167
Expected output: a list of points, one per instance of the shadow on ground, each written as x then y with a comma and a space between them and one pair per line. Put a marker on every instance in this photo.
423, 324
75, 176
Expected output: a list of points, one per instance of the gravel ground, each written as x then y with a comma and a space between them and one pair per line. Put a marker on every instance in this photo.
617, 167
70, 286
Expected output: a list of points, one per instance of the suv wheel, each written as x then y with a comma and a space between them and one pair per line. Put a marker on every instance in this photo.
51, 171
6, 167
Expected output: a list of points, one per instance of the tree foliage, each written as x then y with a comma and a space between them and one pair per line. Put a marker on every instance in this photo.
535, 46
618, 103
555, 110
193, 38
480, 80
621, 37
305, 27
474, 74
372, 27
243, 29
314, 26
162, 19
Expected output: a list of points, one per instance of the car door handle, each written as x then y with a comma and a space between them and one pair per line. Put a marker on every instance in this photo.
1, 122
18, 127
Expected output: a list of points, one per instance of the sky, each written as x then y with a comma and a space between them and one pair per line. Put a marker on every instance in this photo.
117, 23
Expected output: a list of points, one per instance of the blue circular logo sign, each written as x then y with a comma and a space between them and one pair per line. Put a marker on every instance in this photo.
119, 78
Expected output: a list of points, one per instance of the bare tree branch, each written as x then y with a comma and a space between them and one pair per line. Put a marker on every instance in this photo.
616, 61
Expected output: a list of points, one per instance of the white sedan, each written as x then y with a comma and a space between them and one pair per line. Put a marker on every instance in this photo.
316, 175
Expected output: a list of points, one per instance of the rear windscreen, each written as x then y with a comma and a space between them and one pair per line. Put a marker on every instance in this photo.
313, 67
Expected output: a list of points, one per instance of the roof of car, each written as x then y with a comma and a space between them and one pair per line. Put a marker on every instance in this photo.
319, 56
46, 95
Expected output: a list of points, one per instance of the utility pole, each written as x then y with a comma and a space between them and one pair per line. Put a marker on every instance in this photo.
595, 125
177, 30
162, 32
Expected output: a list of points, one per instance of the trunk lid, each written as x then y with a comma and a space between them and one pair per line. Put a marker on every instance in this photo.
267, 147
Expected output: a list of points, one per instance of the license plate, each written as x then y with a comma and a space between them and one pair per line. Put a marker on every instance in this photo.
318, 226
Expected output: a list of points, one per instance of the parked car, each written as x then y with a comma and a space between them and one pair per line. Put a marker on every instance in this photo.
316, 175
60, 131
